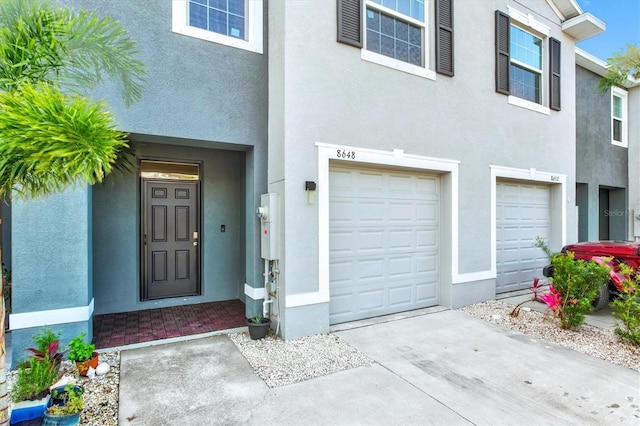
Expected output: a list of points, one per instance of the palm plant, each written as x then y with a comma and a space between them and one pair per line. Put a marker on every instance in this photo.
52, 135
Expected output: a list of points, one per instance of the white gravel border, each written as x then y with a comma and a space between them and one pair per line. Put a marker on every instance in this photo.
282, 362
588, 339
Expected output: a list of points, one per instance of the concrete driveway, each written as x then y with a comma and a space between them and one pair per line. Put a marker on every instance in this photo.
438, 368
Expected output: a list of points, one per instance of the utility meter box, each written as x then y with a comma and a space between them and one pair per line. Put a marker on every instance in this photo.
269, 217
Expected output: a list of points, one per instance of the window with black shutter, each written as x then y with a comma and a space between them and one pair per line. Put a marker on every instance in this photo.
350, 22
444, 37
554, 74
503, 41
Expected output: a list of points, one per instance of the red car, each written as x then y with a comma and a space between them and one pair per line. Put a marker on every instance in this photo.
620, 251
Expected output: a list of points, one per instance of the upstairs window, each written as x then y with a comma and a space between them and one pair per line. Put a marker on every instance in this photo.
619, 131
226, 17
394, 33
527, 62
526, 65
235, 23
395, 28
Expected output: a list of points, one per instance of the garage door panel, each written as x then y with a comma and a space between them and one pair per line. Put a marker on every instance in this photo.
400, 212
401, 296
341, 212
386, 248
370, 300
400, 267
341, 242
341, 272
523, 212
370, 269
426, 238
371, 211
401, 239
400, 184
426, 264
427, 213
427, 188
426, 292
369, 242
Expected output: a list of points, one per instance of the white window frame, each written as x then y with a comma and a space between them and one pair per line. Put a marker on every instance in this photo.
389, 62
254, 19
617, 92
530, 24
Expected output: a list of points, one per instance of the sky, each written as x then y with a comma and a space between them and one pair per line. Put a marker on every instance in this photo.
623, 26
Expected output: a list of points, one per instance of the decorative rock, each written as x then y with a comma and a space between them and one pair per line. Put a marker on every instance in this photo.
102, 369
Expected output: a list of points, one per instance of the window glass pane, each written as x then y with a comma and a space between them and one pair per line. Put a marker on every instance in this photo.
617, 130
412, 8
236, 7
236, 27
617, 107
404, 7
526, 48
225, 17
417, 10
387, 25
392, 37
525, 84
217, 21
218, 4
402, 31
198, 16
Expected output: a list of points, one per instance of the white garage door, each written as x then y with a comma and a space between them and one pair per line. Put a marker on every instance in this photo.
383, 242
522, 214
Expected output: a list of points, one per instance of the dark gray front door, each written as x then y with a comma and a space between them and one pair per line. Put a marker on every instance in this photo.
170, 239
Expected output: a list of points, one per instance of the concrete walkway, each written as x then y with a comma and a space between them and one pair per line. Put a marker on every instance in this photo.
442, 367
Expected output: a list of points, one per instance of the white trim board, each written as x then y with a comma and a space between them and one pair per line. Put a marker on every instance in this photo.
51, 317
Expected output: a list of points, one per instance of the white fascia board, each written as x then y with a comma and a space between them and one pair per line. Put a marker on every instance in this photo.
583, 27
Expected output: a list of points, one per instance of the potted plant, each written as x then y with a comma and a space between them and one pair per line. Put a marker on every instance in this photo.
65, 407
258, 326
30, 393
47, 344
83, 354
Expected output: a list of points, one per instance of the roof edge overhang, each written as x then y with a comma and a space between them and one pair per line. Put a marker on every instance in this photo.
583, 26
598, 66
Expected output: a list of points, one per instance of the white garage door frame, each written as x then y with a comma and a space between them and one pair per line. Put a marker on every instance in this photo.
447, 169
558, 217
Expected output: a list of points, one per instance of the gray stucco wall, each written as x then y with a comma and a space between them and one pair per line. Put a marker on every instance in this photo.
356, 103
599, 163
209, 97
201, 94
52, 267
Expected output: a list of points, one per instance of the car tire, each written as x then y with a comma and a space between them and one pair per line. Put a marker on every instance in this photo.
602, 300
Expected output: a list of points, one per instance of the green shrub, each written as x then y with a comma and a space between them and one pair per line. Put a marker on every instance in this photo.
577, 283
34, 379
79, 350
626, 307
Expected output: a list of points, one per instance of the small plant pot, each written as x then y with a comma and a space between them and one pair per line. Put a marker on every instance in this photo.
83, 366
61, 420
59, 394
24, 411
258, 330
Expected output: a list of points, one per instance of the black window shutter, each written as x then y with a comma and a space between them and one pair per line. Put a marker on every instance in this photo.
350, 22
554, 74
503, 41
444, 37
